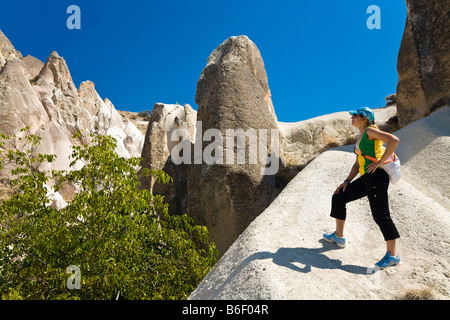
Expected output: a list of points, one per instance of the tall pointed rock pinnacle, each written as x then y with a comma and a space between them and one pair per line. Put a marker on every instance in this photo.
233, 94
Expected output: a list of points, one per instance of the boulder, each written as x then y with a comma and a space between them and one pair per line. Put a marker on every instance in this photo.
424, 60
233, 94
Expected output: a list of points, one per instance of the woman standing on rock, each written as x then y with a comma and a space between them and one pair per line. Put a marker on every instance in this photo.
373, 183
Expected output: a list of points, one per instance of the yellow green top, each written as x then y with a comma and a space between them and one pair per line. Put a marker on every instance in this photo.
372, 148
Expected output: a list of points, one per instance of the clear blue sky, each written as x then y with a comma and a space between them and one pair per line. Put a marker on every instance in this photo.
320, 57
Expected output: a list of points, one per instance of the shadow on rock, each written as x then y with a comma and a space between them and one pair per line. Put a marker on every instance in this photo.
291, 257
308, 257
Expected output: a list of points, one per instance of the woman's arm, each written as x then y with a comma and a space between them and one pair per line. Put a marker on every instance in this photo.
391, 144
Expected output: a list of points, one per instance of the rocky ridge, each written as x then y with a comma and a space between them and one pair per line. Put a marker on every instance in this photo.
43, 97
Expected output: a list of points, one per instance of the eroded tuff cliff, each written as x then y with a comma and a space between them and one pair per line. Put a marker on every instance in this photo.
44, 97
424, 60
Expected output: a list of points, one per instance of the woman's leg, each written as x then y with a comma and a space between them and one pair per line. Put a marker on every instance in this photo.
377, 191
355, 190
391, 248
340, 224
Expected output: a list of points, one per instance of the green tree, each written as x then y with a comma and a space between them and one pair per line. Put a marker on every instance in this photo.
120, 237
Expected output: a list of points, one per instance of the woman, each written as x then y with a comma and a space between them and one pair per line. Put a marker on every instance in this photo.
373, 183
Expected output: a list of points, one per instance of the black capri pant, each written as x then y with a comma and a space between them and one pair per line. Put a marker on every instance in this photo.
374, 186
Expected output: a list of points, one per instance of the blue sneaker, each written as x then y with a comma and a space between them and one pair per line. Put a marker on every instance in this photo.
333, 238
388, 260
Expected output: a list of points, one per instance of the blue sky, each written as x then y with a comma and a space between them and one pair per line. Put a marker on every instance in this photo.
320, 57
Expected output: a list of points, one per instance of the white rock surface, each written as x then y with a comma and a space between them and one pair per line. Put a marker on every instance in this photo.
57, 200
281, 254
158, 145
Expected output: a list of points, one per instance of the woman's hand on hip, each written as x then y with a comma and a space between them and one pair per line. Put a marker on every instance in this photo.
373, 166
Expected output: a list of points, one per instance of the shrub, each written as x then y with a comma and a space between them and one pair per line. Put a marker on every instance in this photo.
145, 115
120, 237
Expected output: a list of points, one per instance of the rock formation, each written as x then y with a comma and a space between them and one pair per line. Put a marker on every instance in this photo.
277, 253
391, 100
232, 94
424, 60
29, 65
60, 99
19, 105
157, 148
226, 207
44, 97
7, 51
281, 254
